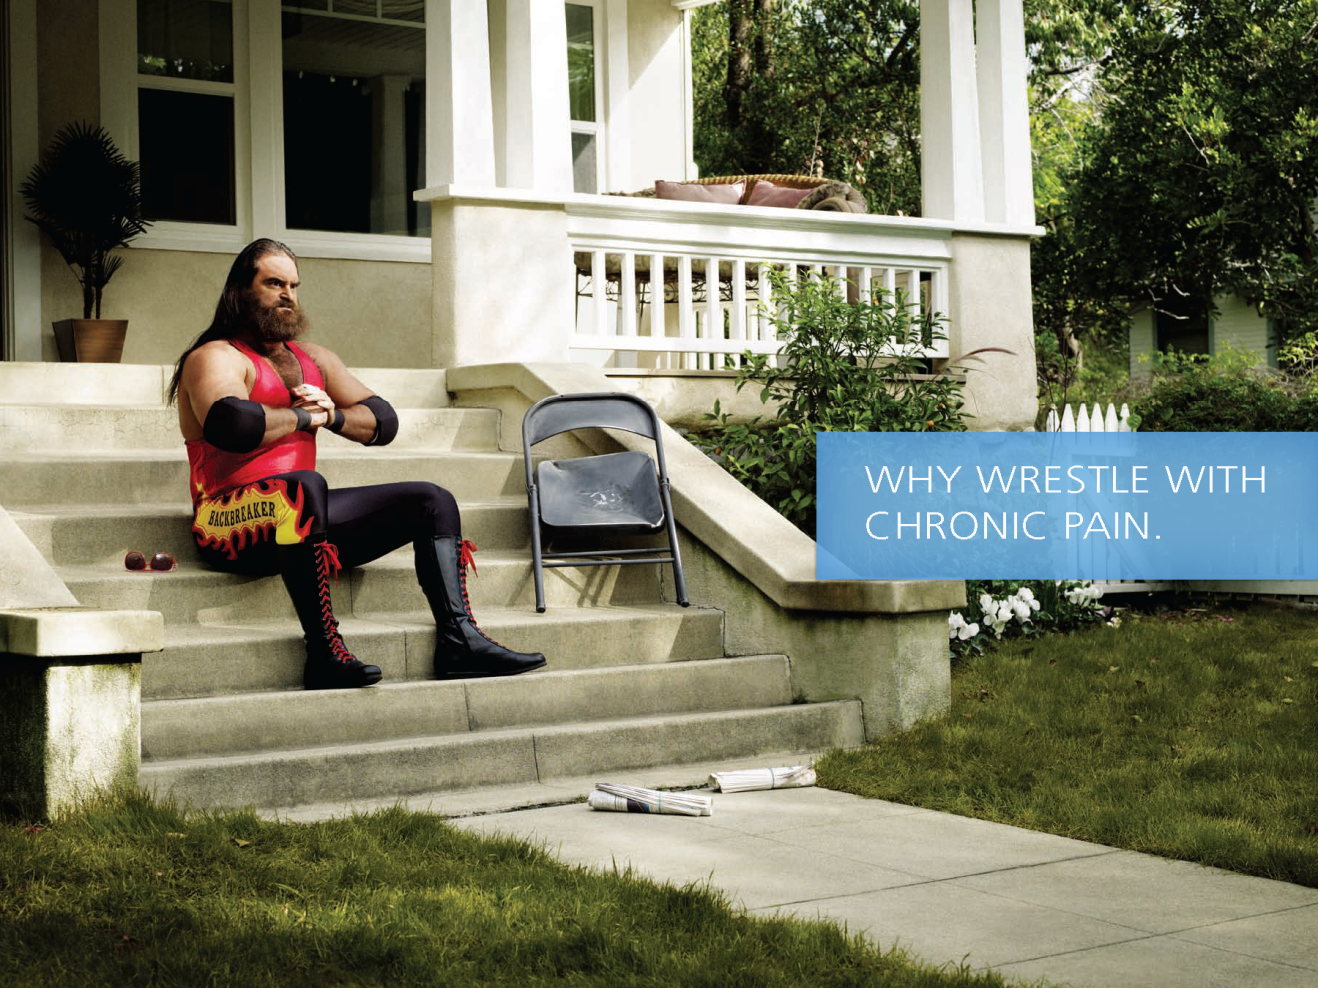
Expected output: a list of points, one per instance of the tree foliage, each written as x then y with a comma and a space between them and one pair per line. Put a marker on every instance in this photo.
1201, 176
1175, 141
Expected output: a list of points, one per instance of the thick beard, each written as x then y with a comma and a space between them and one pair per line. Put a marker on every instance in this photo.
273, 324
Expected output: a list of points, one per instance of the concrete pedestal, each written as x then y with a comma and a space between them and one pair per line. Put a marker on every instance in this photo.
70, 723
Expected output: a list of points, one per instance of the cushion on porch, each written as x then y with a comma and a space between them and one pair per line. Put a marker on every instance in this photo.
765, 193
723, 194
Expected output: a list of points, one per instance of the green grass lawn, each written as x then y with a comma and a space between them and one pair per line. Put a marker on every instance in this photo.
1192, 735
131, 892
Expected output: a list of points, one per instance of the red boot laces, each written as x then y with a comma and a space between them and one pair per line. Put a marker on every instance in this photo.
327, 555
467, 557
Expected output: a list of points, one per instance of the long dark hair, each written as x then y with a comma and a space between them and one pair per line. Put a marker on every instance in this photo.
230, 311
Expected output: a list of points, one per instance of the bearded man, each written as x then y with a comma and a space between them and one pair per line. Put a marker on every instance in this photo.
251, 403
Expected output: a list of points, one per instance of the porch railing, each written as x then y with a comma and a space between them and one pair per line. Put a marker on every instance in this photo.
683, 285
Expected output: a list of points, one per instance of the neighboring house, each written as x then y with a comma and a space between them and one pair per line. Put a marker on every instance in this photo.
1192, 327
316, 122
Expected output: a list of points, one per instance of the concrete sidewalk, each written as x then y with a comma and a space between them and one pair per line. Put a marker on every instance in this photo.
947, 888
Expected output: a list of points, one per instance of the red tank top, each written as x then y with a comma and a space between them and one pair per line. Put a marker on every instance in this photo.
214, 470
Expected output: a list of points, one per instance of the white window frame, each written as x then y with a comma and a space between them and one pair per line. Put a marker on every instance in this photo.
258, 140
599, 126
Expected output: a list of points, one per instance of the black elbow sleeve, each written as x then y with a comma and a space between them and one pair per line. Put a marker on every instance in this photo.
235, 425
386, 421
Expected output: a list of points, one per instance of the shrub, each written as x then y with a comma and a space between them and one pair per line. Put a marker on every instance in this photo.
846, 367
1224, 393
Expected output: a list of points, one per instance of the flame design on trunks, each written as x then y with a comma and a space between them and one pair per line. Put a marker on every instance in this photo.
232, 521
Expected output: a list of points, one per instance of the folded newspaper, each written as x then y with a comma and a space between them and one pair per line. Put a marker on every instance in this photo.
632, 799
763, 778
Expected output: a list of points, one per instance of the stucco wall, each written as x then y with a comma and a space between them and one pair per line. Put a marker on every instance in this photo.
372, 313
654, 61
68, 65
991, 307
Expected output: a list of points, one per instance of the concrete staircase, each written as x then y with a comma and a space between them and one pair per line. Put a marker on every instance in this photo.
91, 466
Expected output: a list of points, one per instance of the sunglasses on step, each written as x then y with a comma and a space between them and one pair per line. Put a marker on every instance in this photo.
161, 562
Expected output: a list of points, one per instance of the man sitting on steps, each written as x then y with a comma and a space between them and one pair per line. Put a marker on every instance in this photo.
250, 405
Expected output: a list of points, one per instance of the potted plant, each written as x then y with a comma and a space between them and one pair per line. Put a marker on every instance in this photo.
87, 197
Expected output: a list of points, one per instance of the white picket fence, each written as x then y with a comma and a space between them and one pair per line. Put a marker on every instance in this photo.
1089, 420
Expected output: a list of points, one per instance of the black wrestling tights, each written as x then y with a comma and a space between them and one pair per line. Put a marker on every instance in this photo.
365, 523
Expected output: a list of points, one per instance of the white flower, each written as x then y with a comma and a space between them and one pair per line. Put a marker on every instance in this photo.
968, 631
1025, 594
1004, 612
1022, 611
955, 622
985, 603
1114, 622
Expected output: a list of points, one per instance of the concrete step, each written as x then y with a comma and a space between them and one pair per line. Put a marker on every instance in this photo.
103, 533
194, 592
161, 477
254, 722
237, 657
80, 428
297, 777
107, 385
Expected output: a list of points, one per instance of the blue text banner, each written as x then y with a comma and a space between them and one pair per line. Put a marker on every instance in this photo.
1095, 506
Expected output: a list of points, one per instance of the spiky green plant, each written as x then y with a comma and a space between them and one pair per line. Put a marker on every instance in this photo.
87, 197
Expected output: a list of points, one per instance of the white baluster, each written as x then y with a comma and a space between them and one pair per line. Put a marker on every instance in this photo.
1052, 423
1125, 418
737, 317
1095, 419
863, 284
600, 281
627, 295
764, 325
657, 295
1068, 420
1082, 419
1110, 418
713, 329
686, 315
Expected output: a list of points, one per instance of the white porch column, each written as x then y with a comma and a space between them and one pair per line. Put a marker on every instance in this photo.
537, 130
459, 113
617, 92
1004, 114
949, 112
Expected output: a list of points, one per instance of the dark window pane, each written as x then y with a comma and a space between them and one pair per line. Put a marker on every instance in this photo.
354, 139
327, 153
581, 61
186, 145
1182, 325
185, 39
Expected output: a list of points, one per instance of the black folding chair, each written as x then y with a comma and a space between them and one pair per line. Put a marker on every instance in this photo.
608, 494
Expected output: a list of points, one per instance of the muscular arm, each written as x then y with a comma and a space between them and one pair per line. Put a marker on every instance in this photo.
215, 372
347, 392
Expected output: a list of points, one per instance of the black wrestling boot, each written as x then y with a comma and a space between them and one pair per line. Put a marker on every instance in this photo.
305, 569
462, 650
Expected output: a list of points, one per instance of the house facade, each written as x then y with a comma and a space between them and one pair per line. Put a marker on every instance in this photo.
439, 167
1194, 327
